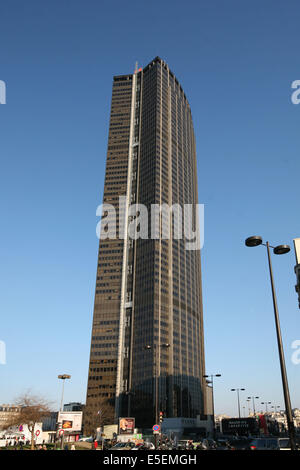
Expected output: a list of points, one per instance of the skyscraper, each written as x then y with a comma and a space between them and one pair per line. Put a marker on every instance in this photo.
147, 348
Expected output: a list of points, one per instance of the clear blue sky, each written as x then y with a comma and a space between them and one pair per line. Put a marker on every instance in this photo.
236, 61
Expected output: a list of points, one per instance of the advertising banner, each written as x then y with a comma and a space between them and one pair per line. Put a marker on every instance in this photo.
126, 425
239, 426
70, 420
67, 424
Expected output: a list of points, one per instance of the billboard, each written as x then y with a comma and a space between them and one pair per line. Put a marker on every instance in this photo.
239, 426
67, 424
126, 425
70, 420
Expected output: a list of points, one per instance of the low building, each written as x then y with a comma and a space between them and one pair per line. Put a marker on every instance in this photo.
194, 428
7, 413
50, 422
73, 406
44, 432
279, 421
296, 413
21, 433
49, 426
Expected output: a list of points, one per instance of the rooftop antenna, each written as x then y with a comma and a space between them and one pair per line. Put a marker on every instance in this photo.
136, 67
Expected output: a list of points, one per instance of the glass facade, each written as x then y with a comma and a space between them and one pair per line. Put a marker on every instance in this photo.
147, 352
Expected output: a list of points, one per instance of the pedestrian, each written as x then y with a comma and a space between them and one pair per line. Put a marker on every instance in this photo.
95, 445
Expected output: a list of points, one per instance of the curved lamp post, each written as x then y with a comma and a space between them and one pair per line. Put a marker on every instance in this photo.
249, 410
63, 377
266, 403
275, 408
278, 250
253, 398
238, 397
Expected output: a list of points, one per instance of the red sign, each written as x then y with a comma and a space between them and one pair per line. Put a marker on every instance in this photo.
37, 433
263, 424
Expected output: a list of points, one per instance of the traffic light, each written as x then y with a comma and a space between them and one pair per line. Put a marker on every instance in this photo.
161, 416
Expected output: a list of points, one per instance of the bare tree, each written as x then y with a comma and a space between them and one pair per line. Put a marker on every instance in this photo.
98, 416
32, 410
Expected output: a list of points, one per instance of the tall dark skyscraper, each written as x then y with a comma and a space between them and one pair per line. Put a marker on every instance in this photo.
147, 351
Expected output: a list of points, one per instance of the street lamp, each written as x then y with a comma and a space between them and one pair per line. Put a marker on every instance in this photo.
249, 410
212, 390
253, 398
238, 397
266, 403
278, 250
275, 407
63, 377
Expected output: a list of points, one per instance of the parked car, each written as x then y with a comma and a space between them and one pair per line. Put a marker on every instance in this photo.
182, 444
210, 444
123, 446
144, 446
241, 443
85, 439
222, 444
149, 445
270, 443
